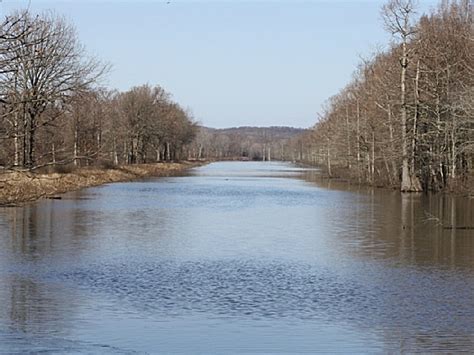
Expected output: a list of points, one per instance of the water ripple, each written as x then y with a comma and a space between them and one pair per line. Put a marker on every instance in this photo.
284, 290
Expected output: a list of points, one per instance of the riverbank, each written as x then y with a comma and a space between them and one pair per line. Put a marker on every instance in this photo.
462, 186
20, 187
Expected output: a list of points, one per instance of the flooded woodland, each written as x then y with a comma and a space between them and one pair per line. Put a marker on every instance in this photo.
236, 176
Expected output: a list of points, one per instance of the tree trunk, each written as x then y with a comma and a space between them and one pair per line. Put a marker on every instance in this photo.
358, 139
115, 151
25, 139
348, 162
453, 137
16, 161
168, 151
30, 153
328, 157
410, 182
372, 168
200, 152
415, 181
75, 144
406, 181
392, 143
99, 143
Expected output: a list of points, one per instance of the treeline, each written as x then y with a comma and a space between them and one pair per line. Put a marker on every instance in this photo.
53, 111
248, 143
407, 118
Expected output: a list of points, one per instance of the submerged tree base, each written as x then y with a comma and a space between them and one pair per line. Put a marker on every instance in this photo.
412, 184
462, 186
19, 187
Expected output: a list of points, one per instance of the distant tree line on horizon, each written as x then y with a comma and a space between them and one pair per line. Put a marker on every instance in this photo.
407, 118
54, 112
246, 143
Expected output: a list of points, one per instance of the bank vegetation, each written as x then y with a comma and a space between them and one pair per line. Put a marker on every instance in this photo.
54, 112
406, 120
60, 130
17, 187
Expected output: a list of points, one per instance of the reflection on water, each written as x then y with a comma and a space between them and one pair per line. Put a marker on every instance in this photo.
238, 256
38, 230
417, 229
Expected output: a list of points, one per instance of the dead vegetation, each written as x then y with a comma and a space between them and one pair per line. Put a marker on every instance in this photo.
19, 187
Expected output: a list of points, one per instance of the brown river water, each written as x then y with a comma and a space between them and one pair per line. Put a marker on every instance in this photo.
238, 257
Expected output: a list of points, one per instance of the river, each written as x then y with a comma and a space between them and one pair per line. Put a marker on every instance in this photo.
238, 257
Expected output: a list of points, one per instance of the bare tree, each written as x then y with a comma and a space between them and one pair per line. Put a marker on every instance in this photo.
398, 17
406, 118
44, 67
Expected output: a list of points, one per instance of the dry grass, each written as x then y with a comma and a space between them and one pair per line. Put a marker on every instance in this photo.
19, 187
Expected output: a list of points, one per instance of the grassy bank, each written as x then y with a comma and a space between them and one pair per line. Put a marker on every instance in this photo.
19, 187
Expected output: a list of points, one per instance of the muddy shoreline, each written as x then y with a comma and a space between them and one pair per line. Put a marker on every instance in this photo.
17, 187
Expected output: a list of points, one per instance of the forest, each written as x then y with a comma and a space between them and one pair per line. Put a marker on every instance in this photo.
406, 119
246, 143
54, 111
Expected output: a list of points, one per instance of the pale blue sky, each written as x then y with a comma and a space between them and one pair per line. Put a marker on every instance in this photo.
232, 63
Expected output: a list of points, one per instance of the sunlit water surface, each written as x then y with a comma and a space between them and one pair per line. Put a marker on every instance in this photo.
237, 257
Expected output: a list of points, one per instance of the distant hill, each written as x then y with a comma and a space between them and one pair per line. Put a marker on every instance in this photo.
252, 143
276, 132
